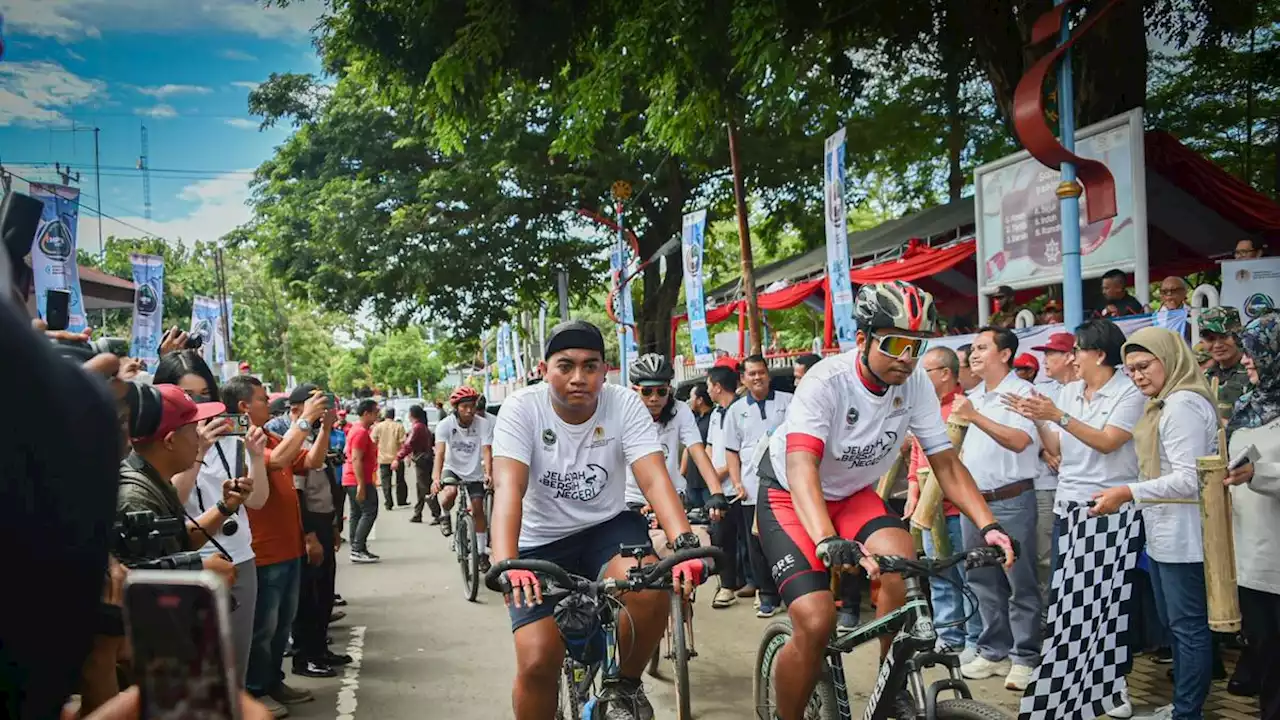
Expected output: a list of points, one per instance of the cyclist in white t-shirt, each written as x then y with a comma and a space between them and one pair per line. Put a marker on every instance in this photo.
818, 508
464, 453
561, 451
651, 376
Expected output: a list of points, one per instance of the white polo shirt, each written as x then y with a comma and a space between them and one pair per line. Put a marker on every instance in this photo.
1085, 471
463, 446
1047, 479
1188, 430
715, 437
749, 422
856, 432
991, 465
679, 431
577, 473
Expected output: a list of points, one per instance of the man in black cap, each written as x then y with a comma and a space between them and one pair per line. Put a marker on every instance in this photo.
561, 452
1006, 314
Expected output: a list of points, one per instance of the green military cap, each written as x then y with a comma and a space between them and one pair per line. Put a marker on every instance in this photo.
1220, 320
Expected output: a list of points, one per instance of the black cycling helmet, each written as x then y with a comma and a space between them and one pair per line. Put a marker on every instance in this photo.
896, 305
652, 369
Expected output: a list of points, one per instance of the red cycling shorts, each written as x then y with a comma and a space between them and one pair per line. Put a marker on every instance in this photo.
792, 554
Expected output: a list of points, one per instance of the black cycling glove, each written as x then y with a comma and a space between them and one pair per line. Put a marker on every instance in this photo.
717, 502
837, 551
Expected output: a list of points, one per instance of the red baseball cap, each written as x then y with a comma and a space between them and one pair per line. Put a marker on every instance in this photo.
1027, 361
1058, 342
245, 366
728, 361
178, 410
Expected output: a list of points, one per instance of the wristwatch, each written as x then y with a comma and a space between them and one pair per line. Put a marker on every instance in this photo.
225, 509
686, 541
1064, 421
303, 424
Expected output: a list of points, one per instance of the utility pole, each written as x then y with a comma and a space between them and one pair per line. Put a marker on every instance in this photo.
145, 167
220, 274
744, 242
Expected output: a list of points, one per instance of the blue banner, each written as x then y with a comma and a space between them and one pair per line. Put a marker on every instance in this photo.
206, 316
510, 353
148, 308
53, 254
502, 352
693, 238
838, 243
620, 263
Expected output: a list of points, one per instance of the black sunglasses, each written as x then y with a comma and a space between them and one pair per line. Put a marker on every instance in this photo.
659, 391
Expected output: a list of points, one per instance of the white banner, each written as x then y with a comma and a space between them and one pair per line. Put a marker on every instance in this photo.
838, 281
693, 240
148, 308
53, 253
205, 322
1251, 286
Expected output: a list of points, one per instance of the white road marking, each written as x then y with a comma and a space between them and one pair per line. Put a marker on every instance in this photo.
351, 675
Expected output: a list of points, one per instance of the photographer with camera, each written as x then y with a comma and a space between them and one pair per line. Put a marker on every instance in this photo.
228, 452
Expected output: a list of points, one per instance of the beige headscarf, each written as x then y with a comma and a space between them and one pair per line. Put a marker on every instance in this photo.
1182, 373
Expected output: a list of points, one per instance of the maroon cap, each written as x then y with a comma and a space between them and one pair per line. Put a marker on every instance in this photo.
1028, 361
177, 410
1058, 342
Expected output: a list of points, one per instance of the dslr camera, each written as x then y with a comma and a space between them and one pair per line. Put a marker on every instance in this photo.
138, 539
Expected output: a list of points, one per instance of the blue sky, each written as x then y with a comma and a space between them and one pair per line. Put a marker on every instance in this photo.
184, 68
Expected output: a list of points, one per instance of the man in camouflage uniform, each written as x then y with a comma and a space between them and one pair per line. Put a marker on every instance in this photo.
1219, 327
1007, 314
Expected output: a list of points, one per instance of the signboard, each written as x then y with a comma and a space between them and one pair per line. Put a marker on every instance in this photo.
1018, 228
53, 253
693, 237
834, 216
148, 308
1251, 286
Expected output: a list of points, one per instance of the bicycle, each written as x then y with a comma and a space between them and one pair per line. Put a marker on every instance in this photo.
677, 644
911, 652
464, 539
595, 653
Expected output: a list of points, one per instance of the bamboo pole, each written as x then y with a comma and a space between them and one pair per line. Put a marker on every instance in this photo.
1219, 545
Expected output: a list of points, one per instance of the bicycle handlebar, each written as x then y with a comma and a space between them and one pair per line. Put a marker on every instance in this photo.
987, 556
649, 575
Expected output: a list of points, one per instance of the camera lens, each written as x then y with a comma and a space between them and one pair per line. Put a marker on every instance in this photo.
230, 527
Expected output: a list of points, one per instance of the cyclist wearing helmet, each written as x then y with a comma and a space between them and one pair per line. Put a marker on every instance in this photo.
562, 449
651, 377
819, 510
464, 453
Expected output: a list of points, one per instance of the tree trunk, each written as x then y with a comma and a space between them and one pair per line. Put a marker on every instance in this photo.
661, 290
950, 45
744, 243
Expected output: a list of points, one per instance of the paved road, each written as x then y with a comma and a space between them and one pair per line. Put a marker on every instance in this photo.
424, 652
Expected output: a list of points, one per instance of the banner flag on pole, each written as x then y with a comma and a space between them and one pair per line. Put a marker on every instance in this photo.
205, 313
620, 262
221, 353
1079, 676
53, 254
148, 308
841, 288
693, 239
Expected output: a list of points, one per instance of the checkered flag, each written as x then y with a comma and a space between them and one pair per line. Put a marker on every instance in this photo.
1079, 677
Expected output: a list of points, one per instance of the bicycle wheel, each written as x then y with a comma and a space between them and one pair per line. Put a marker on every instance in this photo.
468, 557
960, 709
680, 659
822, 704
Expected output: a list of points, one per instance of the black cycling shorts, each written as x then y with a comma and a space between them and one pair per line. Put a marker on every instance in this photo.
475, 489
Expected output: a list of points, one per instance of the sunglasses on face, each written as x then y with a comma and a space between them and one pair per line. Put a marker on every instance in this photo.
651, 391
198, 398
895, 346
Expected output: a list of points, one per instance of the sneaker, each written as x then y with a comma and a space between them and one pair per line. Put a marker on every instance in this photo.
981, 668
968, 654
369, 554
484, 564
273, 706
623, 699
415, 519
290, 696
1018, 678
339, 601
846, 619
767, 609
335, 659
362, 557
446, 526
747, 590
336, 616
1163, 655
401, 506
904, 705
313, 669
724, 598
1124, 709
436, 520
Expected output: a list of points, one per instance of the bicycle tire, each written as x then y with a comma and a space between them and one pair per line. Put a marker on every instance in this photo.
962, 709
822, 704
468, 557
680, 659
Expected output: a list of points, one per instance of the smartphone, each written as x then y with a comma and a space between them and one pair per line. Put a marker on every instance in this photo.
239, 423
179, 626
1247, 455
57, 309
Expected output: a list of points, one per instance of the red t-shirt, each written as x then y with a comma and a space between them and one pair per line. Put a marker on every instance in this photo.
358, 439
277, 527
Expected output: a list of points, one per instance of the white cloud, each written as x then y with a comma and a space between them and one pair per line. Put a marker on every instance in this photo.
70, 20
73, 54
219, 207
161, 92
37, 92
243, 124
161, 111
232, 54
246, 84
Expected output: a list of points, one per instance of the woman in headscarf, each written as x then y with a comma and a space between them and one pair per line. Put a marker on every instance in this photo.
1255, 497
1178, 425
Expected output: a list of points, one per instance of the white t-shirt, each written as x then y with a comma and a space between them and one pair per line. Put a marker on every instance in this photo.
747, 423
860, 433
680, 431
209, 489
1085, 471
1188, 430
991, 464
464, 445
577, 473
